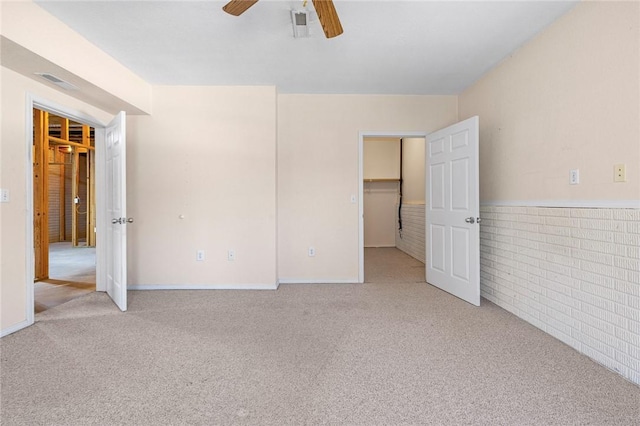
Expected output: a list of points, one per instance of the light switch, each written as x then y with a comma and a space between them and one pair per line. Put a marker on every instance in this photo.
619, 173
353, 198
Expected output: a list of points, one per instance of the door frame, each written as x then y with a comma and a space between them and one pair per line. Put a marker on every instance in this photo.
361, 137
43, 104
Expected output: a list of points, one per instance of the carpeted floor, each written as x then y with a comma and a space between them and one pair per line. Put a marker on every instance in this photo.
391, 351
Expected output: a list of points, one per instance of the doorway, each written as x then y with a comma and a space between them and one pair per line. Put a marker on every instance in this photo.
391, 171
64, 196
452, 208
110, 264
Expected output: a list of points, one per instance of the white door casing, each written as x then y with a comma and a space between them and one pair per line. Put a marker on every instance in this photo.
452, 213
33, 101
116, 209
362, 136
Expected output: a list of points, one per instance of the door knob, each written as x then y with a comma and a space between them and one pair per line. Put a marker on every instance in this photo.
470, 220
122, 220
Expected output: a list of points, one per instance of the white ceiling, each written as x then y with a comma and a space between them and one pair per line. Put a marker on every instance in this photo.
388, 47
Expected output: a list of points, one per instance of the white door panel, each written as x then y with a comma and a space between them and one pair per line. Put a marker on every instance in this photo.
116, 236
436, 248
453, 234
436, 197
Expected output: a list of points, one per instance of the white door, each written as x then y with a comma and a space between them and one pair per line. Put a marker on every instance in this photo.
452, 229
116, 206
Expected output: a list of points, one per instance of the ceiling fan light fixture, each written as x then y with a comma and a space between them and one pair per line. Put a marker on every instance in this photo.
300, 22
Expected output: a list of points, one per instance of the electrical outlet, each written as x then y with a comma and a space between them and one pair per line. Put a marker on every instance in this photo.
200, 255
619, 173
4, 195
231, 255
312, 252
574, 177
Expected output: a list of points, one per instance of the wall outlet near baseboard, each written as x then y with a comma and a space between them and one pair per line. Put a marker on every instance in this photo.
312, 252
619, 173
574, 177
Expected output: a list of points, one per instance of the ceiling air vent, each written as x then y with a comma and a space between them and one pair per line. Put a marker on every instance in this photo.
300, 20
57, 81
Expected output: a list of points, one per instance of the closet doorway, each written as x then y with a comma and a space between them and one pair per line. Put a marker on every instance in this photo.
64, 199
393, 188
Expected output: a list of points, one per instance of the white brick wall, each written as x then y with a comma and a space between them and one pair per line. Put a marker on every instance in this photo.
572, 272
412, 241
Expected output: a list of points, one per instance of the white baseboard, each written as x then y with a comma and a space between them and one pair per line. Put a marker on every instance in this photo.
273, 286
318, 281
16, 327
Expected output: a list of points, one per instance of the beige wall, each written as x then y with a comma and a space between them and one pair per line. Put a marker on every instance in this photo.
13, 171
570, 99
208, 154
381, 158
413, 170
382, 161
318, 172
379, 208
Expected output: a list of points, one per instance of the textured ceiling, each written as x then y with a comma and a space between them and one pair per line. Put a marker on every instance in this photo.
388, 47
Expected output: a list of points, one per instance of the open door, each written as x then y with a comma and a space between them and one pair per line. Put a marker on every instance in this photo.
452, 222
116, 211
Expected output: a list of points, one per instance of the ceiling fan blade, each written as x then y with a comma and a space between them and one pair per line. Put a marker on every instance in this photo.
328, 17
238, 7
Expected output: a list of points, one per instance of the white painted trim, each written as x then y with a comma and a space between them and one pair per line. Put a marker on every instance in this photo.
316, 281
16, 327
361, 207
380, 134
361, 136
61, 110
29, 256
273, 286
32, 101
605, 204
101, 208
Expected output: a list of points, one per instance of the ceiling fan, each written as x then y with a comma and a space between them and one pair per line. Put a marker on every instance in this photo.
324, 8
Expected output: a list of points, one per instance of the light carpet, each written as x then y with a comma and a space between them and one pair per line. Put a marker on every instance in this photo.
392, 351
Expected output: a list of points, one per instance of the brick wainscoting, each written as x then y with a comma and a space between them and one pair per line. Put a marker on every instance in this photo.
413, 238
572, 272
